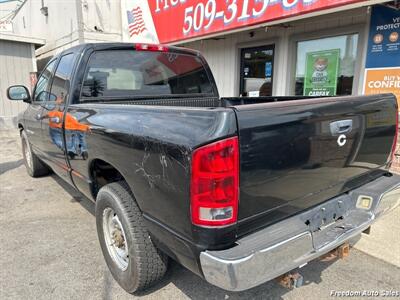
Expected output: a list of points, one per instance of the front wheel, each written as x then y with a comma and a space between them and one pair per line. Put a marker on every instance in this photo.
34, 166
133, 259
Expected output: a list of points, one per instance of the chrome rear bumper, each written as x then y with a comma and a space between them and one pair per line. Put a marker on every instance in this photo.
286, 245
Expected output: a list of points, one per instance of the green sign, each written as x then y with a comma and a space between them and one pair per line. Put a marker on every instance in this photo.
322, 69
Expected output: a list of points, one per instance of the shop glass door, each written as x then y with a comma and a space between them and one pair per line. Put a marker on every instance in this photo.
256, 71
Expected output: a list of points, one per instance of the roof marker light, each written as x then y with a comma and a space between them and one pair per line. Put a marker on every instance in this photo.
151, 47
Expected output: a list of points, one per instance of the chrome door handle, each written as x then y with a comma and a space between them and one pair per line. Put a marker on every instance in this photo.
342, 126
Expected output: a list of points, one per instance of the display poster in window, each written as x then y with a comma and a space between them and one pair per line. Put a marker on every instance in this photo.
320, 78
268, 69
382, 73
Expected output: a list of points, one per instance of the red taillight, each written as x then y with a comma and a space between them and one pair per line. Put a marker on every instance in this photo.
215, 183
395, 137
151, 47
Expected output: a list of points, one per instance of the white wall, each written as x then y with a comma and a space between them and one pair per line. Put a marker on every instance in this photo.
105, 15
16, 62
59, 28
69, 22
223, 54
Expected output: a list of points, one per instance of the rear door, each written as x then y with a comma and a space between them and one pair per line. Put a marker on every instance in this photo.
53, 119
34, 111
297, 154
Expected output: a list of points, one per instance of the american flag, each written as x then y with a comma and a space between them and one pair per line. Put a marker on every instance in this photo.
136, 23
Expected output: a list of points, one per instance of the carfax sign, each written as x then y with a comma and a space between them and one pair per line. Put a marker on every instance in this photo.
321, 73
167, 21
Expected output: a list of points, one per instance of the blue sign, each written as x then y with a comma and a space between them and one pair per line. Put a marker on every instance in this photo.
268, 69
384, 38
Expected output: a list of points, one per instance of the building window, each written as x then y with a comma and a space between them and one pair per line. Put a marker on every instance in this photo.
256, 71
325, 67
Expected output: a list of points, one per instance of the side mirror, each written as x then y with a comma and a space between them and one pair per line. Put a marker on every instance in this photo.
18, 93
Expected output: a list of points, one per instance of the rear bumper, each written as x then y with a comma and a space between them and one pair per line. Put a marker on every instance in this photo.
286, 245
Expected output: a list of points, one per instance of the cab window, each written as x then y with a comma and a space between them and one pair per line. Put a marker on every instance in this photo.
42, 84
59, 88
130, 74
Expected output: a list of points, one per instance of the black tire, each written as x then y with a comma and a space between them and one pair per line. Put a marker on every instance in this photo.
146, 264
34, 166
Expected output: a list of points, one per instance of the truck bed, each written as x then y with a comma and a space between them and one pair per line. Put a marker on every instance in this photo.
289, 154
210, 102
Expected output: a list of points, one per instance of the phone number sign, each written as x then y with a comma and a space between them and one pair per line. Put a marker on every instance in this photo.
177, 20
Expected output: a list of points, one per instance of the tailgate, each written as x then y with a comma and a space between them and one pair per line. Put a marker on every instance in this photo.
297, 154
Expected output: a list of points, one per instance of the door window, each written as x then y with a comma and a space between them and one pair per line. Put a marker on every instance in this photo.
43, 83
256, 72
61, 77
325, 67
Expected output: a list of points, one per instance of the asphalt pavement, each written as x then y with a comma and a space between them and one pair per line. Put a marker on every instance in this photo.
49, 250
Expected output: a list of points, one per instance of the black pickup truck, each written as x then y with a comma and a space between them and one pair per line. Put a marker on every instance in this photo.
237, 190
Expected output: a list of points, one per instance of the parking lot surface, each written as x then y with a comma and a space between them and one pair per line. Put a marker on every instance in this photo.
49, 250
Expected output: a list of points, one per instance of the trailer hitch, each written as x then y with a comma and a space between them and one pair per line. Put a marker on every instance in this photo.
291, 280
342, 251
294, 279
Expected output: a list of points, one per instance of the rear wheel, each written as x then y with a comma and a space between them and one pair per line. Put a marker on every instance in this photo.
131, 256
34, 166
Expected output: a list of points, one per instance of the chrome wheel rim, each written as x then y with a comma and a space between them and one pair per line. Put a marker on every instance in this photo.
115, 239
28, 155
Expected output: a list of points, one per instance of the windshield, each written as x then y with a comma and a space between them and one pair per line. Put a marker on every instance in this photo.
129, 73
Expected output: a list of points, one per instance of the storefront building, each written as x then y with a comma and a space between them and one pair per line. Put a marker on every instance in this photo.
277, 44
280, 47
